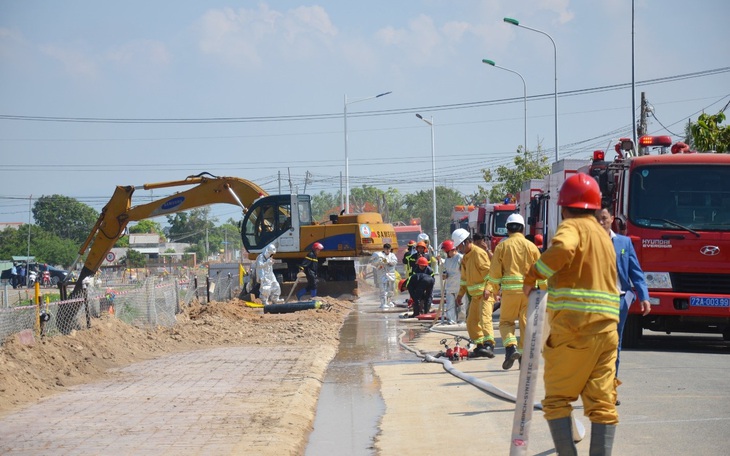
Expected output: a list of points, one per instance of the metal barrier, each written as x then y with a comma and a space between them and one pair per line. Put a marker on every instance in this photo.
149, 303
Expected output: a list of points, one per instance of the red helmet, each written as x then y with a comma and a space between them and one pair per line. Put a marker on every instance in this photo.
411, 242
447, 245
538, 239
422, 261
317, 246
580, 191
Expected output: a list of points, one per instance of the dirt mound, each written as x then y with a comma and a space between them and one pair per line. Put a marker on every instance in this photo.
30, 372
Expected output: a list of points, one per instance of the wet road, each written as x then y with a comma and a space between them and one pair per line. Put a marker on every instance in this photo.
350, 405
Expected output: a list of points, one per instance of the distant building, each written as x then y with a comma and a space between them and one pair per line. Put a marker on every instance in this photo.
14, 225
146, 244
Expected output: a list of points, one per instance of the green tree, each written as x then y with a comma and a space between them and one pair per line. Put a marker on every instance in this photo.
134, 259
65, 217
508, 180
707, 134
324, 204
44, 246
147, 226
190, 226
420, 204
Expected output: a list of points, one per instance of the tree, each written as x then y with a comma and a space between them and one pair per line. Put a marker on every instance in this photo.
420, 204
190, 226
65, 217
707, 134
508, 181
324, 204
134, 259
44, 246
146, 226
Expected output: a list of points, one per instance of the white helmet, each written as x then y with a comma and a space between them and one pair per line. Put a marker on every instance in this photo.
458, 236
423, 237
269, 251
515, 218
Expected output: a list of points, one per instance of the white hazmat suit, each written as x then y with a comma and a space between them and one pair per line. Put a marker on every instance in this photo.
384, 273
452, 281
270, 288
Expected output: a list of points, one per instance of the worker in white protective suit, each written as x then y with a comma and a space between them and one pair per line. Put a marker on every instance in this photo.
451, 280
383, 264
270, 289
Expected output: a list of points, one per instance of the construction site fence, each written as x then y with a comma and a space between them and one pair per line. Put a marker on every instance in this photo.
149, 303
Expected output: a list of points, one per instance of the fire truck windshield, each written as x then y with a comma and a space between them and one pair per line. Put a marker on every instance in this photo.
680, 197
500, 222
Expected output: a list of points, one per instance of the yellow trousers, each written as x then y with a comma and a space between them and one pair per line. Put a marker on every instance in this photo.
513, 307
479, 320
582, 365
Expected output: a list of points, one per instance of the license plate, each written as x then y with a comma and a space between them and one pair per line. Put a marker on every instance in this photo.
708, 301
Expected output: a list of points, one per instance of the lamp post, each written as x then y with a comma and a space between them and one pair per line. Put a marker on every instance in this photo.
516, 23
524, 87
347, 157
433, 178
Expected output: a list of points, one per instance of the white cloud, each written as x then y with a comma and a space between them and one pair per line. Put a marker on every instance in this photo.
141, 52
74, 62
247, 37
560, 7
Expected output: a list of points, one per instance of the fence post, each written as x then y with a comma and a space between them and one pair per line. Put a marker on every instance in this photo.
207, 289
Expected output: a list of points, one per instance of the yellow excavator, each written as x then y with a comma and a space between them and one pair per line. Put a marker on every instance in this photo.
284, 220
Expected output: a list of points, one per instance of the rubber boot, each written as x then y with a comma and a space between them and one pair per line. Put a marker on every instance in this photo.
416, 308
426, 306
511, 354
314, 293
489, 350
300, 293
602, 439
562, 432
480, 351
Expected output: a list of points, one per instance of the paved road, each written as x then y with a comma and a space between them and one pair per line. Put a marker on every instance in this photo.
675, 401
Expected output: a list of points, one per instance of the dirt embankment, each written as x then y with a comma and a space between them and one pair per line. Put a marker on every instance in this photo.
52, 364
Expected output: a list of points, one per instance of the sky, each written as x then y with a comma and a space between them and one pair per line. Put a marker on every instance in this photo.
99, 94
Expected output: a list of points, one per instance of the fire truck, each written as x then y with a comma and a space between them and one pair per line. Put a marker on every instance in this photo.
674, 204
537, 200
487, 219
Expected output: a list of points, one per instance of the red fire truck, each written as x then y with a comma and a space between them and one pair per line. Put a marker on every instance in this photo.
676, 209
487, 219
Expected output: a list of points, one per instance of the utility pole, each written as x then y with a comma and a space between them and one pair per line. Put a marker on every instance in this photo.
641, 128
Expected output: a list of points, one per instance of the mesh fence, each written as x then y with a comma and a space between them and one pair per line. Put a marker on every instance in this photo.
148, 303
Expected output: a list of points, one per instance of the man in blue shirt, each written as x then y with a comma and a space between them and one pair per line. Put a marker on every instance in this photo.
630, 277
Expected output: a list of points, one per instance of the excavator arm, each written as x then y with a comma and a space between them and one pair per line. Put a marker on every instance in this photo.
118, 212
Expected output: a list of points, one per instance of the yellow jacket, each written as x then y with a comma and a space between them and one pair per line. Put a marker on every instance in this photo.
511, 260
580, 266
474, 271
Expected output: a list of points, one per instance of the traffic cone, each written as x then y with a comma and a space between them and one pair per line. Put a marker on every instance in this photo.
111, 310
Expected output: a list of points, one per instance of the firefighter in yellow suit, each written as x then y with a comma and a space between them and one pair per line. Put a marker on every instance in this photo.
474, 270
511, 260
583, 312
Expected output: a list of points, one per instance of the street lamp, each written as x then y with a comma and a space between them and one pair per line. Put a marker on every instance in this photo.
433, 179
347, 157
524, 86
515, 22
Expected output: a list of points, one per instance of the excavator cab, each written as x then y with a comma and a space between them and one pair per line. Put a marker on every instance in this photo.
277, 219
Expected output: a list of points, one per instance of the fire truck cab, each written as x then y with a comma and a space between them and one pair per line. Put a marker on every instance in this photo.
674, 204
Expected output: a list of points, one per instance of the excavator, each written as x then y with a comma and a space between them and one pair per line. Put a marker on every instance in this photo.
284, 220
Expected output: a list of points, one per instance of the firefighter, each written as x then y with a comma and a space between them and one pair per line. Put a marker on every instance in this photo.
420, 287
511, 260
433, 258
308, 269
474, 269
383, 264
407, 256
269, 286
583, 311
421, 251
452, 279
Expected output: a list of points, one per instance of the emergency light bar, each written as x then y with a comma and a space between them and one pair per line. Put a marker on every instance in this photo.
598, 155
660, 141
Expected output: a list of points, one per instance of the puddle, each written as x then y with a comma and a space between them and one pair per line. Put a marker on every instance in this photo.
350, 405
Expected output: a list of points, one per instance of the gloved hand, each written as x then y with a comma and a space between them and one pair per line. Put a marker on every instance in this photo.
301, 275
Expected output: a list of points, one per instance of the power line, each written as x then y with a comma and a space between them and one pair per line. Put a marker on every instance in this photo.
338, 115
